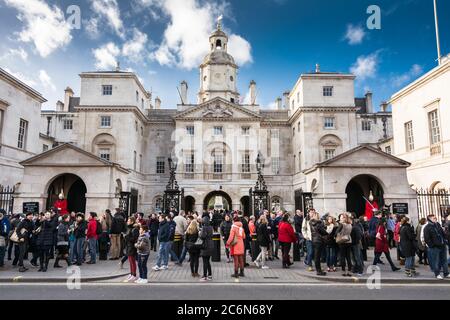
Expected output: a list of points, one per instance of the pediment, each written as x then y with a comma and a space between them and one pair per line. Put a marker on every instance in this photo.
67, 155
217, 109
365, 156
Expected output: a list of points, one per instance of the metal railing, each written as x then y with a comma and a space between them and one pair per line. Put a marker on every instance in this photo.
7, 199
435, 202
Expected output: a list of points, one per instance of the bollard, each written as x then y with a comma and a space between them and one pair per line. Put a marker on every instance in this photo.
255, 247
216, 253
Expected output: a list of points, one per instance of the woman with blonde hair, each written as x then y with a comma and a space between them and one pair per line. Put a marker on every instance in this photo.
263, 238
344, 241
194, 251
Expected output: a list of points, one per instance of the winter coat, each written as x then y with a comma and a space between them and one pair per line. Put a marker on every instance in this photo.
5, 227
286, 233
164, 232
225, 229
252, 228
331, 238
381, 242
420, 244
45, 237
345, 229
131, 238
206, 235
306, 229
118, 224
237, 231
407, 240
248, 237
92, 229
263, 235
63, 234
191, 239
318, 231
357, 233
181, 225
172, 228
298, 222
27, 227
397, 232
275, 227
434, 235
80, 229
153, 226
373, 225
143, 245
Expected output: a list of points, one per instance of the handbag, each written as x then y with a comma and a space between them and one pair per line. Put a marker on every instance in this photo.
343, 238
2, 241
14, 237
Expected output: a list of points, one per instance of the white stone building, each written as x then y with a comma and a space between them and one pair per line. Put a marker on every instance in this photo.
323, 143
20, 108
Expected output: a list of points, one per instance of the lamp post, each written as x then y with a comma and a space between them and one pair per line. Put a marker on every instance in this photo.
172, 194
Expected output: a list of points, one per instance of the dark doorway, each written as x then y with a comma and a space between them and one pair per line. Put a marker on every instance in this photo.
74, 190
189, 204
245, 205
209, 201
358, 190
134, 201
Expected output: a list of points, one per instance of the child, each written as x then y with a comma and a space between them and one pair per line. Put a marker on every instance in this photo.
143, 249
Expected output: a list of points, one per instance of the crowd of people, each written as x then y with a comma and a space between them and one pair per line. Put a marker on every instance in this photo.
339, 243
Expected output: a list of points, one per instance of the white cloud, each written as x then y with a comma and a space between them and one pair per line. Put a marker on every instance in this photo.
135, 49
414, 72
45, 26
25, 79
92, 28
46, 80
109, 10
355, 34
365, 66
106, 56
13, 53
185, 41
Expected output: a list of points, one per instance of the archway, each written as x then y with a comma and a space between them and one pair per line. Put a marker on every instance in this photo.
245, 205
74, 190
223, 201
189, 204
358, 189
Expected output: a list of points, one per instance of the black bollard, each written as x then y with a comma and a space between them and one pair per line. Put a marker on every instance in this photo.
255, 247
216, 254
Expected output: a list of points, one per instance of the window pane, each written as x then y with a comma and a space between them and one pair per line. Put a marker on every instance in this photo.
107, 90
160, 165
327, 91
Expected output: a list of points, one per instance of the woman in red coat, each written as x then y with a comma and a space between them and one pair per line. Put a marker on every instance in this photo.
236, 244
286, 236
382, 245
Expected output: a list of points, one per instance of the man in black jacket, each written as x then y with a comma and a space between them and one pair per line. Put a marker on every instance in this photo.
435, 240
164, 244
24, 229
118, 226
357, 235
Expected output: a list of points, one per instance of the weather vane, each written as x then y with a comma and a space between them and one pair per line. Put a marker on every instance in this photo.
219, 22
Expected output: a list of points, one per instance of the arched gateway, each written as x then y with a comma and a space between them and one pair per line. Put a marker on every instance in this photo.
358, 190
73, 188
215, 199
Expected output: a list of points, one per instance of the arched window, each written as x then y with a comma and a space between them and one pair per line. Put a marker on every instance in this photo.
218, 44
277, 204
104, 146
330, 146
158, 204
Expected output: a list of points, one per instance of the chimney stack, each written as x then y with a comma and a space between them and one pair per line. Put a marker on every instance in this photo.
384, 106
68, 93
252, 92
369, 102
157, 103
317, 68
279, 103
184, 92
286, 99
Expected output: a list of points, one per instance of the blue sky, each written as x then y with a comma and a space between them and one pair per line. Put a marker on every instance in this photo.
274, 41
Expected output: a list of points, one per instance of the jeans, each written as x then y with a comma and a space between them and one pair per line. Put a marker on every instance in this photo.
72, 250
79, 254
331, 257
285, 249
194, 257
262, 256
2, 256
388, 257
309, 253
93, 249
207, 271
153, 242
44, 256
438, 260
23, 248
358, 260
115, 246
183, 255
142, 265
409, 263
173, 254
163, 255
345, 255
318, 250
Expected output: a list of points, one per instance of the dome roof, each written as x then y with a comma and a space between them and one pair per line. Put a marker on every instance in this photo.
218, 33
219, 57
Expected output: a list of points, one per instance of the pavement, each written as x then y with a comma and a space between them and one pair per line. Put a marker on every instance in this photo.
109, 271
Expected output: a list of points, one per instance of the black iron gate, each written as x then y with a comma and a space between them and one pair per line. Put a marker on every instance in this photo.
7, 199
435, 202
124, 203
259, 195
303, 200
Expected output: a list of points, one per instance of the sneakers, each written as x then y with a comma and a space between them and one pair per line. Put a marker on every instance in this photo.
141, 281
130, 279
120, 264
256, 263
310, 269
209, 278
156, 268
164, 267
447, 276
439, 277
321, 273
204, 279
265, 267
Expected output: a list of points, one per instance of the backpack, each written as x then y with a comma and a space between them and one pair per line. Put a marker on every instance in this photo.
99, 229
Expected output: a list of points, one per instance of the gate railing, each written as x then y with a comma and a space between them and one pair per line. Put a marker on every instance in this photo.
435, 202
7, 199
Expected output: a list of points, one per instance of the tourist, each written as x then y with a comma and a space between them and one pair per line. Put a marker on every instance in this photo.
263, 238
391, 222
118, 226
365, 239
103, 238
93, 231
331, 245
276, 221
153, 226
80, 236
357, 235
286, 236
44, 230
162, 260
344, 241
181, 225
140, 219
318, 236
130, 239
408, 245
23, 231
217, 218
143, 250
14, 222
382, 245
206, 252
225, 229
194, 250
5, 227
62, 245
172, 227
398, 224
237, 247
422, 250
373, 226
435, 240
306, 232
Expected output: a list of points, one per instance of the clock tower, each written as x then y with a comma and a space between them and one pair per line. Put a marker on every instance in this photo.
218, 71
